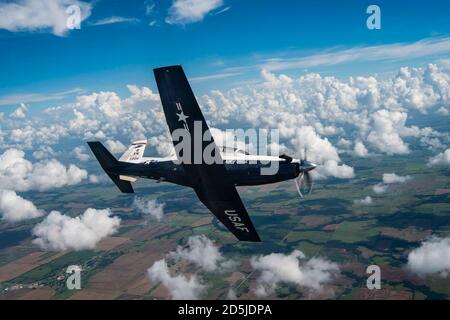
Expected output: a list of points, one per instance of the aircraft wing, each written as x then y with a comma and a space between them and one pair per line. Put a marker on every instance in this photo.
224, 202
210, 181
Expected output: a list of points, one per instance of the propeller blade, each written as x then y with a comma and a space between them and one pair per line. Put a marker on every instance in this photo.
309, 182
297, 184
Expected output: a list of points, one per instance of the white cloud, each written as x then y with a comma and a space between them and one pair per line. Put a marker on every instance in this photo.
390, 178
365, 201
43, 152
61, 232
380, 188
318, 149
20, 112
442, 111
441, 159
33, 15
189, 11
432, 257
292, 269
115, 19
14, 208
330, 168
216, 76
321, 151
19, 98
17, 173
150, 207
384, 135
360, 150
94, 178
231, 295
80, 153
180, 286
422, 48
115, 146
306, 110
203, 252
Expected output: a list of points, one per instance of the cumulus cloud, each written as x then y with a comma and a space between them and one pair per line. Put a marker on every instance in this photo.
203, 252
441, 159
33, 15
380, 188
365, 201
321, 151
189, 11
292, 269
80, 154
43, 152
385, 136
95, 178
180, 286
20, 112
390, 178
115, 146
14, 208
309, 111
360, 150
331, 168
28, 136
17, 173
432, 257
150, 207
61, 232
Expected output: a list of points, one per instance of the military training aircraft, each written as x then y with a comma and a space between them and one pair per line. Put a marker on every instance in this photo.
214, 183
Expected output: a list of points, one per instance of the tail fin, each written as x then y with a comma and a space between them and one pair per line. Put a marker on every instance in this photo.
134, 152
107, 161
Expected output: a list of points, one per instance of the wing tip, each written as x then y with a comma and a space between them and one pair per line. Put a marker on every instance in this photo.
168, 68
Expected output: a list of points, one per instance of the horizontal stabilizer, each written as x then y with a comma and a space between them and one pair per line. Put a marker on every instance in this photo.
124, 186
127, 178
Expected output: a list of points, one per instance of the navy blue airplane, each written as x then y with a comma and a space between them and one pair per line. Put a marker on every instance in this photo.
215, 184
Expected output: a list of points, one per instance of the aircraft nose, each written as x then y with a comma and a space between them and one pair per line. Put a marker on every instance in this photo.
307, 166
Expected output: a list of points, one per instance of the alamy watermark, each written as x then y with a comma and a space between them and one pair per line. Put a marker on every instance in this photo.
73, 281
374, 280
199, 147
73, 17
374, 20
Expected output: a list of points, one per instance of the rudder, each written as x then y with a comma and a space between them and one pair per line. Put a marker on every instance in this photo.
107, 161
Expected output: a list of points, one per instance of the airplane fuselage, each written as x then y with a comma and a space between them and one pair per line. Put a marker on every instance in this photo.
241, 173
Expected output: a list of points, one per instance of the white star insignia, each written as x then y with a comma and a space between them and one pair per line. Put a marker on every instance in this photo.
182, 117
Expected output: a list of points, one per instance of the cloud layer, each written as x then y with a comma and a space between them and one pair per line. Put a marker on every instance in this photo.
292, 269
61, 232
189, 11
180, 286
151, 208
17, 173
33, 15
432, 257
14, 208
203, 252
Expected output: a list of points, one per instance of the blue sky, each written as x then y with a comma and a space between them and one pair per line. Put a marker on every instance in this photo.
227, 47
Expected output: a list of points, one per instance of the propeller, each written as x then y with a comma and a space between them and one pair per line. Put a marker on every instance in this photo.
304, 179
